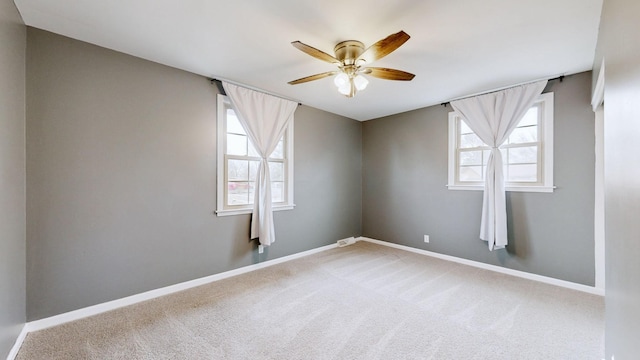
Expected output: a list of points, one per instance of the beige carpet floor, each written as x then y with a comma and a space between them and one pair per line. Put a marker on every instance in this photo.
363, 301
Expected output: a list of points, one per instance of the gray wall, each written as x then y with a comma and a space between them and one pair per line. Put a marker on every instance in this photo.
121, 164
618, 44
550, 234
12, 175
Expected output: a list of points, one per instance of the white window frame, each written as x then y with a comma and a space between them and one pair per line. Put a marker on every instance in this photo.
223, 209
545, 154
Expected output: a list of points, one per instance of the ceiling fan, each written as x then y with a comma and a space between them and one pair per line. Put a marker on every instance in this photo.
352, 60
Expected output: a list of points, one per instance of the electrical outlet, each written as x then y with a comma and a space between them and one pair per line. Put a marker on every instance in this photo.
426, 238
260, 249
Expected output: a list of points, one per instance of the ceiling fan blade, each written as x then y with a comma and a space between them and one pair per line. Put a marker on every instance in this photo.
388, 74
318, 54
384, 47
313, 77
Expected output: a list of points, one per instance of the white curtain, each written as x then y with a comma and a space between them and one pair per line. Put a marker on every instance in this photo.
493, 117
265, 119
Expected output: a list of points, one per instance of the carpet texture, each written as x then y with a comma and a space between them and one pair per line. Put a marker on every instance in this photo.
363, 301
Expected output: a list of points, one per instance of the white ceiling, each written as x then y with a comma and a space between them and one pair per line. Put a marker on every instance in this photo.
457, 47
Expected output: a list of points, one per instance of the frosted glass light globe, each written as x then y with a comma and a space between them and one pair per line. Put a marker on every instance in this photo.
361, 82
341, 79
345, 89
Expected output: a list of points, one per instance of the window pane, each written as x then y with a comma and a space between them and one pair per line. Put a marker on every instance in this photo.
276, 171
238, 170
238, 193
471, 157
252, 150
505, 158
471, 173
277, 191
252, 192
523, 173
253, 170
233, 124
470, 141
485, 156
530, 117
236, 144
464, 128
278, 153
524, 135
522, 155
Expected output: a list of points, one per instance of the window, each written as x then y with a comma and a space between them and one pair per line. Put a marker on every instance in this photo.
527, 154
238, 162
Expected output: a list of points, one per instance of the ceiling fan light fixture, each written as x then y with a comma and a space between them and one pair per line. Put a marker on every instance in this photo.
341, 80
345, 89
360, 82
351, 57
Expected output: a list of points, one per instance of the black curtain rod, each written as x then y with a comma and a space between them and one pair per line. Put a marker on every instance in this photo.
218, 84
561, 78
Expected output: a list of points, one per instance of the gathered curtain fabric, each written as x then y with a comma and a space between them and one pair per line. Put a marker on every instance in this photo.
265, 118
493, 117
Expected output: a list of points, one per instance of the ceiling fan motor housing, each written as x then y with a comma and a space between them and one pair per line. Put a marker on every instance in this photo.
348, 51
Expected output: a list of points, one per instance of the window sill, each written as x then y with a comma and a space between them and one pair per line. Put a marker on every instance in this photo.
541, 189
244, 211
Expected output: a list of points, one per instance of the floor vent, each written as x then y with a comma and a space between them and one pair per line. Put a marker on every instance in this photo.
346, 242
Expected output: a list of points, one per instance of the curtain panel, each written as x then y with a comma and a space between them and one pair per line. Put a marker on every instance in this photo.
493, 117
265, 118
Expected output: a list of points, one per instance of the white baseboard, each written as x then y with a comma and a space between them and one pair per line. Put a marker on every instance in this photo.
500, 269
16, 346
152, 294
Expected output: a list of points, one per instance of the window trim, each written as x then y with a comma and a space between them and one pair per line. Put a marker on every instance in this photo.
221, 160
546, 153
